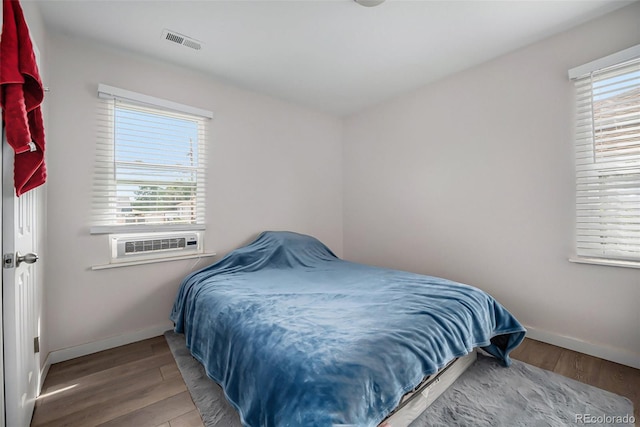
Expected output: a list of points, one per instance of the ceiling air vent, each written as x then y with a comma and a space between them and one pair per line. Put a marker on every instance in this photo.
181, 39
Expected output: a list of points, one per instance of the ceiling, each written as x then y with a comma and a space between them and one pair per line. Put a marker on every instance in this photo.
333, 55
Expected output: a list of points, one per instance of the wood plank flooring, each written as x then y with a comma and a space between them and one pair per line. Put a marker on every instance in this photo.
139, 385
134, 385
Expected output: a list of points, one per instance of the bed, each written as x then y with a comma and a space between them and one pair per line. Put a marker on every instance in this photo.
296, 336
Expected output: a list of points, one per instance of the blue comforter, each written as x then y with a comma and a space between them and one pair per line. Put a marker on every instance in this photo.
298, 337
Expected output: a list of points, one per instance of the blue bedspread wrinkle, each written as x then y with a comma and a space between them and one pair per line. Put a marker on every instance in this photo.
298, 337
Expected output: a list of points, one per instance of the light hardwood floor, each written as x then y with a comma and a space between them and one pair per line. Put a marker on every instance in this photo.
134, 385
139, 385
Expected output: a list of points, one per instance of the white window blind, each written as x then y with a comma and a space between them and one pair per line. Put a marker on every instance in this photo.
608, 161
150, 165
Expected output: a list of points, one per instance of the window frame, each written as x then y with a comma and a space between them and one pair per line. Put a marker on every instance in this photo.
103, 201
593, 165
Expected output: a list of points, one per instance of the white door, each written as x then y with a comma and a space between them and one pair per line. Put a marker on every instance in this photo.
19, 297
2, 424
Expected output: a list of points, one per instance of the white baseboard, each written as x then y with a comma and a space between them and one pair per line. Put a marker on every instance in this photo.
105, 344
44, 370
612, 354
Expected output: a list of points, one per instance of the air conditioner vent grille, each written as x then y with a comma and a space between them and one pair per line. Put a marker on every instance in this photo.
154, 245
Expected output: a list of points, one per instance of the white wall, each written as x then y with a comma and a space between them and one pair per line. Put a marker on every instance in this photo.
471, 178
271, 166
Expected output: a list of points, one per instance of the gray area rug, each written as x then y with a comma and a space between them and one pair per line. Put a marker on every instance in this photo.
487, 394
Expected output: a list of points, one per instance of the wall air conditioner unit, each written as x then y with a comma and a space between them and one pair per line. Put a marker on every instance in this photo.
130, 247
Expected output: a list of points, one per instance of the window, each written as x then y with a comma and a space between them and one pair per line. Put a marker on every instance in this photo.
150, 165
608, 158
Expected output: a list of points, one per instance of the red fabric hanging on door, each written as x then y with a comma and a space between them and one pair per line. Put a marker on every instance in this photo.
21, 93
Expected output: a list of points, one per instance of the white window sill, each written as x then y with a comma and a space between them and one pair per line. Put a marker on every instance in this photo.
151, 261
607, 262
